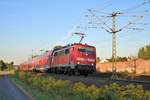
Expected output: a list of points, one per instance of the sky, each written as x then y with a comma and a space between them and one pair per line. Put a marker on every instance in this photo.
28, 26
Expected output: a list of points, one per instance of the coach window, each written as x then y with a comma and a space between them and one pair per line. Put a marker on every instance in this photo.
66, 51
63, 52
55, 54
60, 53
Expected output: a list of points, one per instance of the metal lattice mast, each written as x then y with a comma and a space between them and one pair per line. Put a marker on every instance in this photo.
114, 31
103, 25
114, 45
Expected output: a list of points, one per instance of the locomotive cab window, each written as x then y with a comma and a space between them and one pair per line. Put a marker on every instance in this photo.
67, 51
55, 54
86, 50
90, 51
81, 50
61, 53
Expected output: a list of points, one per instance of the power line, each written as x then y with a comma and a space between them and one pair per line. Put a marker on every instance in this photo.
113, 29
100, 20
106, 4
133, 21
135, 7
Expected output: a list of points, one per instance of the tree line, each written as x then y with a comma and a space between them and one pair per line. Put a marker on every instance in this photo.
144, 52
6, 65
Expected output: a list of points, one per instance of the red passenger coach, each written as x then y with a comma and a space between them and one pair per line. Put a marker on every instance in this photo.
43, 61
75, 58
39, 63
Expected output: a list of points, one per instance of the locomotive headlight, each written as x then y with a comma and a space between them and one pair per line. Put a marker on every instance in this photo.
78, 62
92, 64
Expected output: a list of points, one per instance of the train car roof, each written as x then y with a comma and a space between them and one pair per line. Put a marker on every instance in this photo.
82, 44
47, 53
69, 45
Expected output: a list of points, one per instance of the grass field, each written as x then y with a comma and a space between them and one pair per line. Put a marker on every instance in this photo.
49, 88
38, 94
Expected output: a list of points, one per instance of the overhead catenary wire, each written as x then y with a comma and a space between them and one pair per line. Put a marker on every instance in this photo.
133, 21
125, 38
100, 20
70, 32
105, 44
135, 7
141, 23
113, 29
67, 37
104, 41
105, 4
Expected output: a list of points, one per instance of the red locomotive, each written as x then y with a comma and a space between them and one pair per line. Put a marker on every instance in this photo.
70, 59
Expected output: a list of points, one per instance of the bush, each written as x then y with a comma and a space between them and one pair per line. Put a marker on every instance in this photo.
146, 95
110, 92
22, 75
92, 92
61, 84
117, 92
47, 84
124, 74
35, 82
80, 89
63, 89
133, 92
60, 87
29, 78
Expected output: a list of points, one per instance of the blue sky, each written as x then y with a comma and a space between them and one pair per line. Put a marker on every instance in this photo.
27, 26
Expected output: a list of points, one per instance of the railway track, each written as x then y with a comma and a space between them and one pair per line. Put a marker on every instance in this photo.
99, 80
144, 84
133, 81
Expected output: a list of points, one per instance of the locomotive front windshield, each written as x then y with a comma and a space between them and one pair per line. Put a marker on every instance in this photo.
86, 50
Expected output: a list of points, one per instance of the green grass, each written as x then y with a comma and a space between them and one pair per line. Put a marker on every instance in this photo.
49, 88
38, 94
